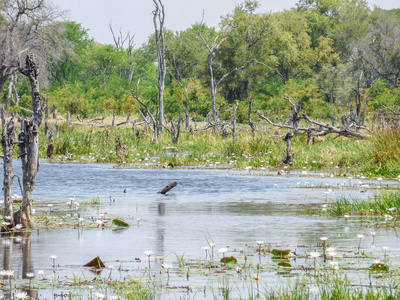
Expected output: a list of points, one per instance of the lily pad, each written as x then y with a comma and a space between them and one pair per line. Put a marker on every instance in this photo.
379, 267
229, 260
120, 222
279, 254
284, 264
95, 263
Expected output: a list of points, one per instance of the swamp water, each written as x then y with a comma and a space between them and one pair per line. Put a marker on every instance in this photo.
230, 209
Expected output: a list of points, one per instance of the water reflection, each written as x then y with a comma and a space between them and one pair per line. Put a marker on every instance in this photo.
17, 246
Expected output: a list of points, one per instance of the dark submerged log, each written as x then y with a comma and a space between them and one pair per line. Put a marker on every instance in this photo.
168, 187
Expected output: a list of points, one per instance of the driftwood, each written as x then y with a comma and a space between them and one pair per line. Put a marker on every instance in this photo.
97, 119
168, 187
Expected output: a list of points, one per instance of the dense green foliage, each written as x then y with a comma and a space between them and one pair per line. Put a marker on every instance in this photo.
324, 53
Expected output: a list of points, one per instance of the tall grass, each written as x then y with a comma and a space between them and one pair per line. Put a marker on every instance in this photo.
130, 289
376, 156
333, 287
380, 204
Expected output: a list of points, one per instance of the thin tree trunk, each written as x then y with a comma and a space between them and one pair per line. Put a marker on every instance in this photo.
187, 115
158, 19
7, 142
29, 143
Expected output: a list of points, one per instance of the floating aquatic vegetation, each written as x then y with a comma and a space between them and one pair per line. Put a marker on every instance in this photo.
119, 222
96, 263
229, 260
379, 267
280, 254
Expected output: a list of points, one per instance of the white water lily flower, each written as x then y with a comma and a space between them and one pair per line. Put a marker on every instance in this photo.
222, 250
148, 253
30, 275
360, 236
21, 295
167, 266
324, 238
314, 254
332, 253
334, 265
100, 296
260, 243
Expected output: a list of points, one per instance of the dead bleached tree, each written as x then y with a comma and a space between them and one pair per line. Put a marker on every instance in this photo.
150, 120
315, 128
24, 25
8, 143
125, 44
214, 83
29, 143
158, 20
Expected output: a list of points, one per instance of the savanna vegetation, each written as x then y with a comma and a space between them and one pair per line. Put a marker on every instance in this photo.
312, 87
336, 62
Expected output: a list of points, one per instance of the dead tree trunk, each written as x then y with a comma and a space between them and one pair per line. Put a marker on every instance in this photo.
214, 84
7, 141
158, 20
55, 112
234, 120
29, 143
168, 187
175, 132
288, 159
251, 123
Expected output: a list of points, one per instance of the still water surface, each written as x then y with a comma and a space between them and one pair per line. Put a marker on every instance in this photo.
228, 208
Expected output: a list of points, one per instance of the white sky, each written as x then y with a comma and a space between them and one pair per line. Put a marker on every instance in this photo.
135, 16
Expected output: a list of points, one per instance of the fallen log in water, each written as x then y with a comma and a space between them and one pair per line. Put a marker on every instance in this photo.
168, 187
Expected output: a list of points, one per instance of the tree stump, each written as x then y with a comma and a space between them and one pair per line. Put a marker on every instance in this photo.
168, 187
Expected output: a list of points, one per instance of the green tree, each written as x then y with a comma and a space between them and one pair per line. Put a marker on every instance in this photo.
184, 52
72, 61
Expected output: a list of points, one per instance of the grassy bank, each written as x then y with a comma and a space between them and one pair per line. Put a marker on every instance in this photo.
378, 155
386, 203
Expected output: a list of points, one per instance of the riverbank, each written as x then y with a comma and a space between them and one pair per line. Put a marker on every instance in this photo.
376, 156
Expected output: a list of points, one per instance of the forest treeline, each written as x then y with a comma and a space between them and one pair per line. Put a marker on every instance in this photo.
334, 56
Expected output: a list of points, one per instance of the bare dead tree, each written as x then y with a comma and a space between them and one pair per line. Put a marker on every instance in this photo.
154, 125
29, 143
214, 84
175, 129
388, 117
23, 26
129, 66
158, 20
250, 100
234, 120
8, 143
315, 128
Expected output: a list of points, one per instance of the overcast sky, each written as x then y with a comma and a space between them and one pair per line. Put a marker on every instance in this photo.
135, 16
